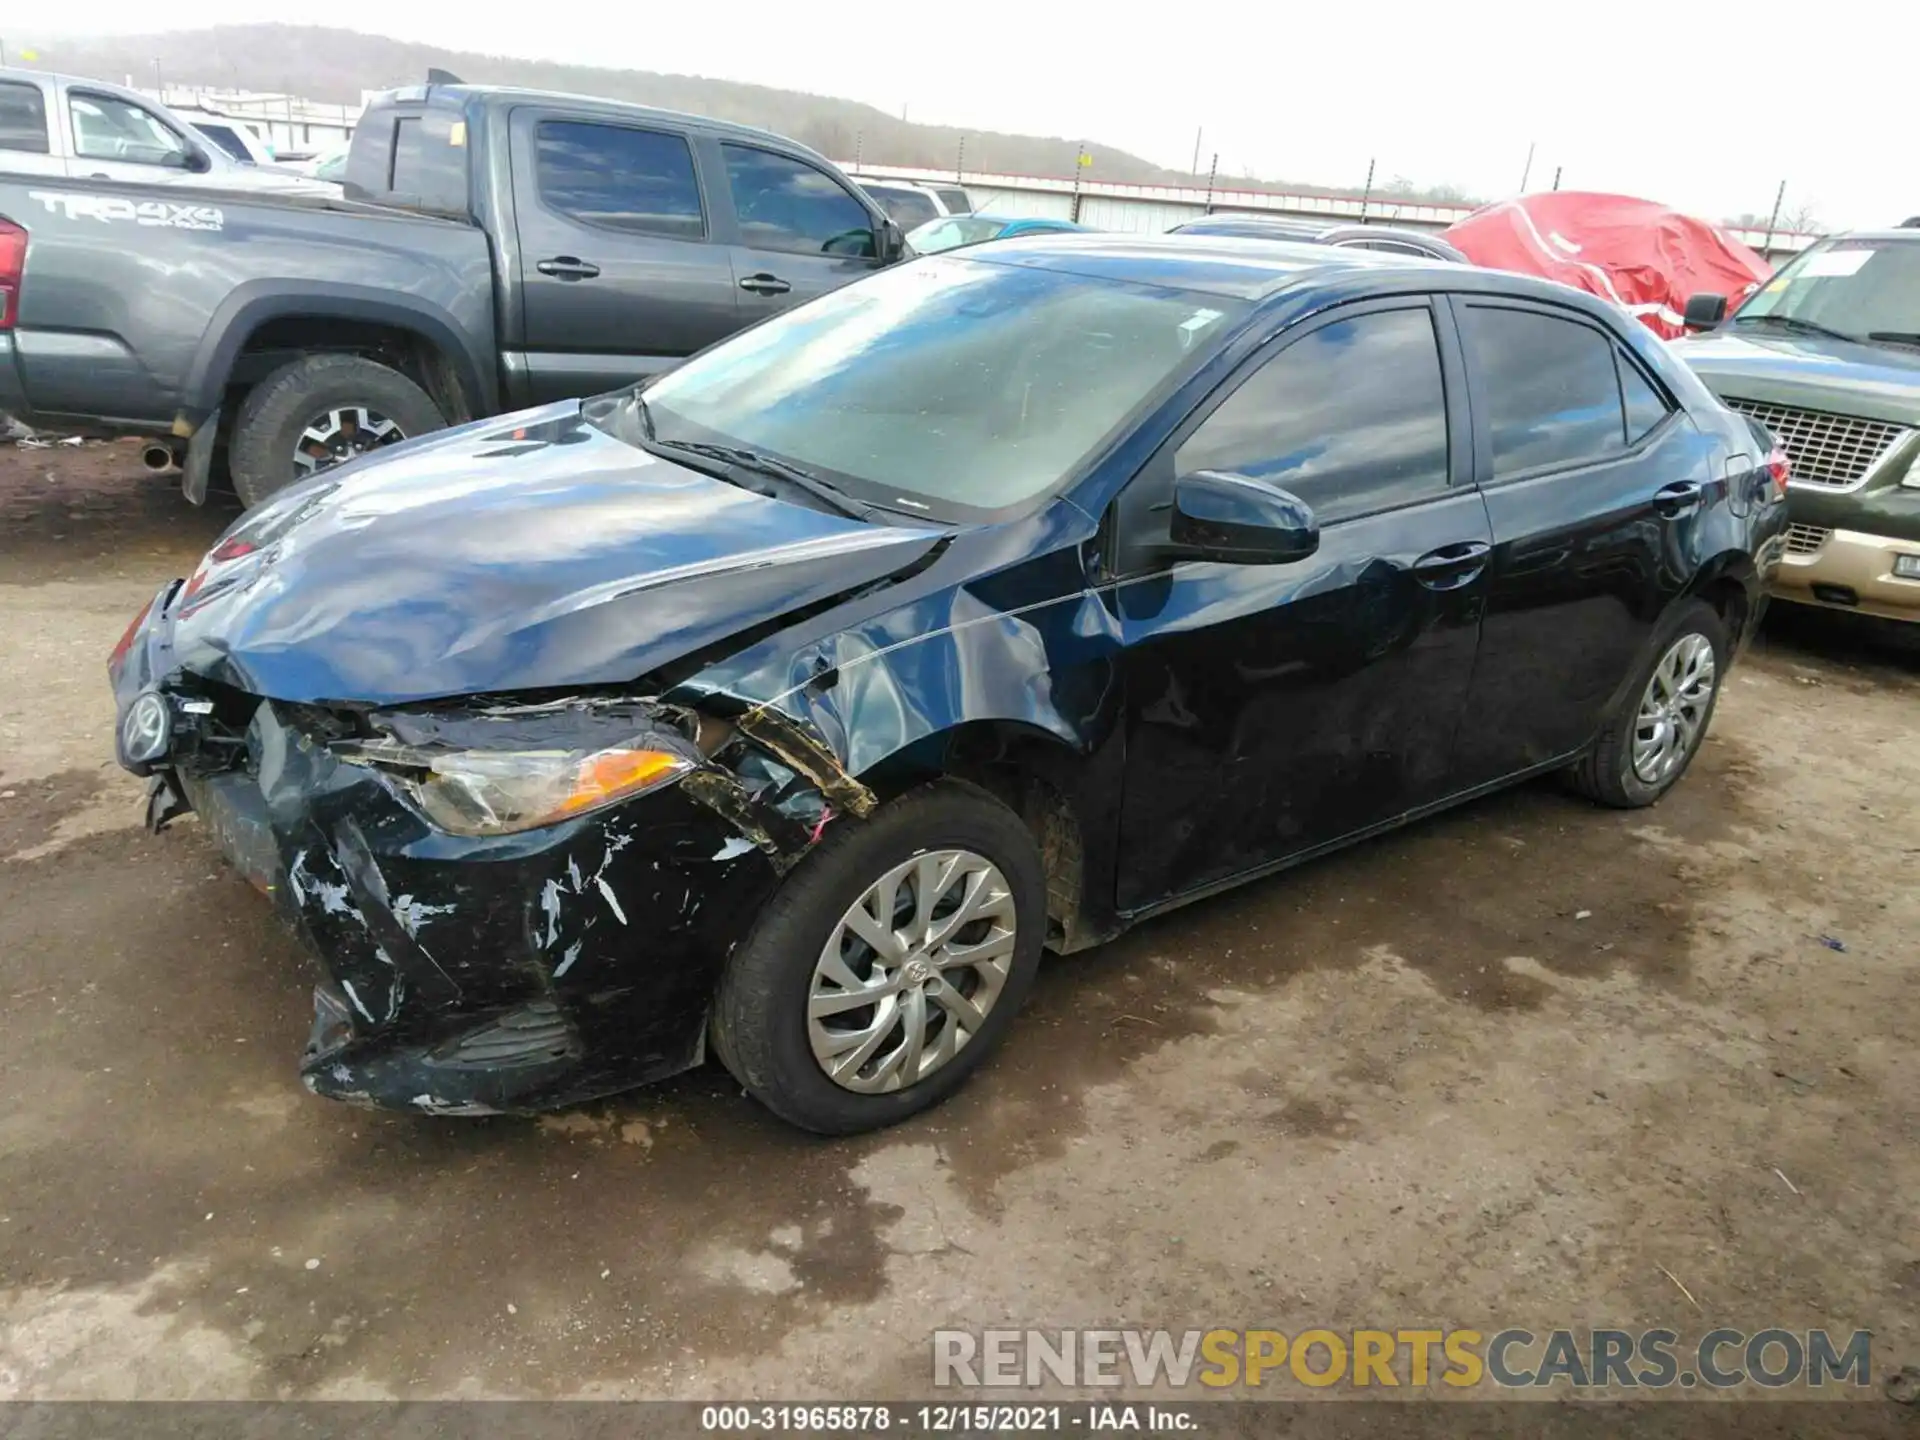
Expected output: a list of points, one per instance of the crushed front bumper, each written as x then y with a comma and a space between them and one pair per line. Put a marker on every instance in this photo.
479, 976
1848, 570
457, 975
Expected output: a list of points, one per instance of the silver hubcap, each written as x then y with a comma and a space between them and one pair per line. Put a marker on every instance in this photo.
911, 972
339, 435
1674, 709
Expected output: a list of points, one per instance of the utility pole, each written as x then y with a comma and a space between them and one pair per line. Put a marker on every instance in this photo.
1079, 164
1196, 149
1524, 174
1556, 177
1212, 173
859, 139
1367, 194
1779, 199
960, 163
159, 86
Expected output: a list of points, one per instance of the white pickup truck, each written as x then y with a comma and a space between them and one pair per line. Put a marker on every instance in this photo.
60, 125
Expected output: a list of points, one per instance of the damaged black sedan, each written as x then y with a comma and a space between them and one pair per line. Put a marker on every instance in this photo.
795, 702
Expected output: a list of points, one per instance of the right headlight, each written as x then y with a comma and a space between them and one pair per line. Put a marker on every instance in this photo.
498, 769
497, 792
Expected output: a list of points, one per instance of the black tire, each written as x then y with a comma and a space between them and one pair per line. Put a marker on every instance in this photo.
1606, 773
278, 409
760, 1010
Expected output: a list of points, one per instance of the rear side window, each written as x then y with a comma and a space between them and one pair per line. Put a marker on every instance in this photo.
956, 201
1351, 417
223, 136
1552, 393
784, 204
906, 208
23, 118
640, 181
1646, 406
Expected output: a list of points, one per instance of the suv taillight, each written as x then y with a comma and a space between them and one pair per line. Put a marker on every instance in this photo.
13, 264
1778, 467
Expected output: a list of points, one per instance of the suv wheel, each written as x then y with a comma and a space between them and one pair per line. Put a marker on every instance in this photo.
888, 965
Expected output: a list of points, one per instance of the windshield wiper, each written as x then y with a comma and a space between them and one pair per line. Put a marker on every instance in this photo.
738, 457
1794, 322
1895, 337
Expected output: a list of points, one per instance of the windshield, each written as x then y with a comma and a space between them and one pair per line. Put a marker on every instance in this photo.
944, 386
953, 232
1858, 288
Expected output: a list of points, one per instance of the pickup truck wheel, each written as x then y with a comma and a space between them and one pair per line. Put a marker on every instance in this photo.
318, 412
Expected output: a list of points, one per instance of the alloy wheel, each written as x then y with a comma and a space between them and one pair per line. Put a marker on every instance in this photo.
336, 436
911, 971
1673, 711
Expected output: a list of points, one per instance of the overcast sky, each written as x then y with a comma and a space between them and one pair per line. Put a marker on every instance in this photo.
1706, 106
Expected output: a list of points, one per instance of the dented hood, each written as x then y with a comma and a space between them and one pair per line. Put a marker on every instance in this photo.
521, 553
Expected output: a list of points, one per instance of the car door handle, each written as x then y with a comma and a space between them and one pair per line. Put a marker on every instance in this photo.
764, 284
1452, 566
1678, 498
568, 267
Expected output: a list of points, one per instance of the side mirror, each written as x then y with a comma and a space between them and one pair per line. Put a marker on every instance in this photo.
892, 241
1240, 520
1704, 312
192, 159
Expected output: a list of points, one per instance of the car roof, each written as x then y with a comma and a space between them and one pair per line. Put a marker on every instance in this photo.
1258, 270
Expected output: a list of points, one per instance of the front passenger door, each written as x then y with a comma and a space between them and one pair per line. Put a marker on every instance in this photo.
1275, 709
801, 233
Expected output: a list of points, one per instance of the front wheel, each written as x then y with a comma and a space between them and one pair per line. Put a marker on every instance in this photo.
1653, 735
320, 411
888, 965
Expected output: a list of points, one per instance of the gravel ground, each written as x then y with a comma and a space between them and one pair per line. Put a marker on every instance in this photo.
1529, 1064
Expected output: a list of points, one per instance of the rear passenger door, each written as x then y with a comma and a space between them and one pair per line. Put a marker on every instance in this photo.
1592, 476
799, 231
26, 131
621, 274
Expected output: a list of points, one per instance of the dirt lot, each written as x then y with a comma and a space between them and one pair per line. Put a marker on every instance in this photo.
1532, 1064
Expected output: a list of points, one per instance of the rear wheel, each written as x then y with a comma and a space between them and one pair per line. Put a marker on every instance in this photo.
888, 965
318, 412
1653, 735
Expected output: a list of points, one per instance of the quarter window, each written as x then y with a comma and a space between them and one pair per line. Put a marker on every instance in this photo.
1646, 406
783, 204
23, 118
1351, 417
625, 179
1551, 390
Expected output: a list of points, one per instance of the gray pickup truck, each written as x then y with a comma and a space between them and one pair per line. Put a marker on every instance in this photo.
494, 249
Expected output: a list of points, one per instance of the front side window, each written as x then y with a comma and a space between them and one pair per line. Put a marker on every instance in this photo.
641, 181
106, 127
1351, 417
1859, 289
1551, 390
783, 204
23, 118
945, 386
